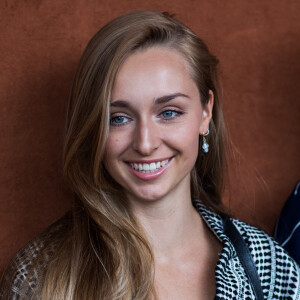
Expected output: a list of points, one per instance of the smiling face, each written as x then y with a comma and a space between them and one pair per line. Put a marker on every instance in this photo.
156, 117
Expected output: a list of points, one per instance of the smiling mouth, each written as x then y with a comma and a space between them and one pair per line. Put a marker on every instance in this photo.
149, 167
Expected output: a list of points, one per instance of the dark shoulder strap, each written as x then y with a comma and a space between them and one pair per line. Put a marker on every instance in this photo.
244, 255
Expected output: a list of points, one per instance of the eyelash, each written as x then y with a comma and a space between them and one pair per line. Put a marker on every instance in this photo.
117, 124
175, 114
173, 111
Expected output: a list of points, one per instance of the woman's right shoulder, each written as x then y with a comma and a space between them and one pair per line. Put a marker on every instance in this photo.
28, 266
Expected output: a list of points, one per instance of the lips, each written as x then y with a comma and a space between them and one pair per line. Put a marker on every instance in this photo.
149, 170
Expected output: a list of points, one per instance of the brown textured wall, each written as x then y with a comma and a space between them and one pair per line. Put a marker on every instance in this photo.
41, 41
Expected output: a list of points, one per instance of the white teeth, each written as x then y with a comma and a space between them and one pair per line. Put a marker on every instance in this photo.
152, 167
148, 168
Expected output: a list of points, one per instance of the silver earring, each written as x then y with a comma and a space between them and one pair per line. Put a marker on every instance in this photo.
205, 145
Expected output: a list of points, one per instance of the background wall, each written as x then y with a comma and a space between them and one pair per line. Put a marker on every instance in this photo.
41, 41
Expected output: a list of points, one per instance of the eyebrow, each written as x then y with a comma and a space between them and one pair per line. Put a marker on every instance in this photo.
160, 100
167, 98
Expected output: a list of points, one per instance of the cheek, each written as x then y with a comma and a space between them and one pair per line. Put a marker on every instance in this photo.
185, 139
190, 141
189, 131
115, 145
192, 145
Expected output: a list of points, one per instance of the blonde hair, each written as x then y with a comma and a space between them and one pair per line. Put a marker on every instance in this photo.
103, 253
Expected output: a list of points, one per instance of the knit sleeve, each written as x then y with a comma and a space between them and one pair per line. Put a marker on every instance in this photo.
23, 276
20, 278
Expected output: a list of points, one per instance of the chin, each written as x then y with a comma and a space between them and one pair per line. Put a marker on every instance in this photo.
147, 195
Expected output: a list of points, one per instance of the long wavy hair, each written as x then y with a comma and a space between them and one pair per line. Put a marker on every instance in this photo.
103, 252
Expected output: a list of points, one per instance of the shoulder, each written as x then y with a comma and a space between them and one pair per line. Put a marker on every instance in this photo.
278, 272
27, 267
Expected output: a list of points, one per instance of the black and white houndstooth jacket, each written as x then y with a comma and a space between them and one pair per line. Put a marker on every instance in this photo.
279, 274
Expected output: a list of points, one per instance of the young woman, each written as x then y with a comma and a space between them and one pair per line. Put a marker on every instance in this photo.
144, 155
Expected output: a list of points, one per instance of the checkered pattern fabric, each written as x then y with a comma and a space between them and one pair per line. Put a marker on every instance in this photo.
279, 274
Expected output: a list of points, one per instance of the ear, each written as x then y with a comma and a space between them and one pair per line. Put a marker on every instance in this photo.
207, 114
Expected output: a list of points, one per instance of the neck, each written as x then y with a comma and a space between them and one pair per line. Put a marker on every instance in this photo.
169, 223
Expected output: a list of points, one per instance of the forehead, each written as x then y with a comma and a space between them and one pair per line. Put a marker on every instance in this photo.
154, 71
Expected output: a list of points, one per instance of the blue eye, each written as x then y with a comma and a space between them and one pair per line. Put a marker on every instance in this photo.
118, 120
170, 114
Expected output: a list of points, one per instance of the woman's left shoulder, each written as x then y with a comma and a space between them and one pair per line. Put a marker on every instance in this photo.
278, 272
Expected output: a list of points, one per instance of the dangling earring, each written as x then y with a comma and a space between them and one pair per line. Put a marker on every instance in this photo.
205, 145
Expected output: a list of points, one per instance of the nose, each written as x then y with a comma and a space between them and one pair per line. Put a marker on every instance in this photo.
146, 137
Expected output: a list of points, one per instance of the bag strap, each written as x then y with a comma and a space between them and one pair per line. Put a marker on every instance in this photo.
244, 256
